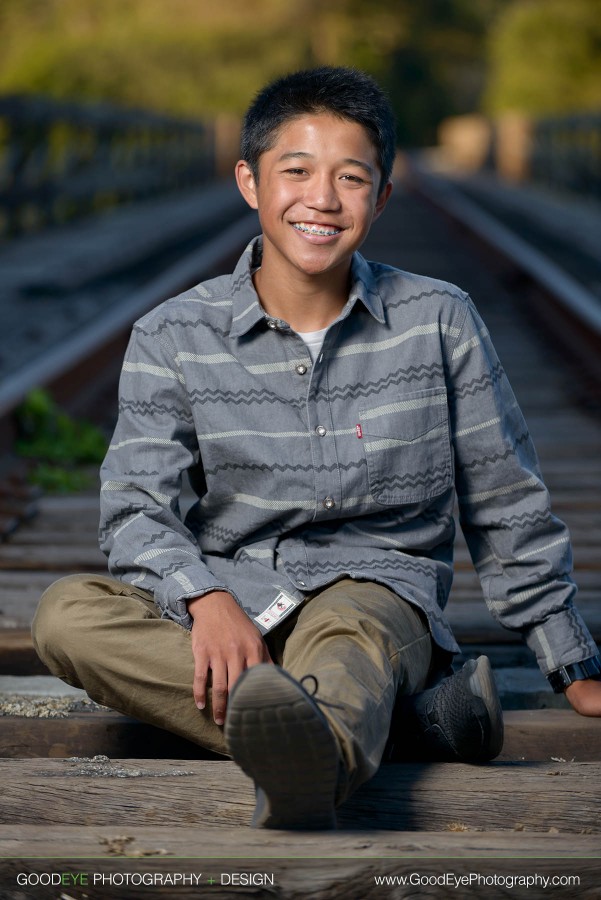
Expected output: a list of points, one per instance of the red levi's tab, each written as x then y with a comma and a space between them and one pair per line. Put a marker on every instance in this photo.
359, 431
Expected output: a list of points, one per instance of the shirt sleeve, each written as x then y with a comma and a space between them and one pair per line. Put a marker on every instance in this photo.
521, 551
141, 528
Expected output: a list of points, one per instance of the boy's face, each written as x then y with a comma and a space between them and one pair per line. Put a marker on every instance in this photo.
317, 195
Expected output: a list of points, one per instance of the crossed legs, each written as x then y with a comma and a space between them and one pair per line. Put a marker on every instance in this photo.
358, 640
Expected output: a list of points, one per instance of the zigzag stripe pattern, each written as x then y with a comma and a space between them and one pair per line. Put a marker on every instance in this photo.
431, 516
116, 521
220, 533
405, 333
470, 388
152, 408
278, 467
526, 520
398, 565
156, 537
385, 272
244, 398
186, 323
343, 392
231, 538
169, 570
373, 388
429, 476
441, 594
395, 303
435, 613
436, 517
575, 624
497, 457
242, 281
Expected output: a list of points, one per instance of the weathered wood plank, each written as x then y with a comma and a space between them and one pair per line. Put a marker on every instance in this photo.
52, 558
546, 734
307, 867
411, 797
530, 735
17, 655
91, 733
12, 583
74, 841
45, 535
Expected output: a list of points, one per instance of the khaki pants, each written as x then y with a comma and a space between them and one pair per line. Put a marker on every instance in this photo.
360, 641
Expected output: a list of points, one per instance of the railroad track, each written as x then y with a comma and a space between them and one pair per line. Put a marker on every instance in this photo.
491, 808
94, 280
557, 274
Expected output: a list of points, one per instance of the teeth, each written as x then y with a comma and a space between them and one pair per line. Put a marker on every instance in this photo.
315, 229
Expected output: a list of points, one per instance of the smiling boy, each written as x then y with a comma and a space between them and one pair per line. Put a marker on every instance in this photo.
328, 411
317, 195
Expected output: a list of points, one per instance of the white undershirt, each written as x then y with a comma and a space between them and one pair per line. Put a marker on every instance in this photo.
313, 340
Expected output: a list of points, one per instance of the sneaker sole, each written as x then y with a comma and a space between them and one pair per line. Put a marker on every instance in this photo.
280, 739
482, 684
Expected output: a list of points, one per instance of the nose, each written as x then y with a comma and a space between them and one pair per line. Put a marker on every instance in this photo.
321, 192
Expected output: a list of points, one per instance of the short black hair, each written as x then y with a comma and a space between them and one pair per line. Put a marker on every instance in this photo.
340, 91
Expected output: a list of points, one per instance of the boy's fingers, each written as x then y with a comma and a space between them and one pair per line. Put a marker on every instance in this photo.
200, 685
219, 692
224, 678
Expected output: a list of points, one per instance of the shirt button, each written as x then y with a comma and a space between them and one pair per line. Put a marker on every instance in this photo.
302, 584
301, 369
329, 503
271, 323
321, 430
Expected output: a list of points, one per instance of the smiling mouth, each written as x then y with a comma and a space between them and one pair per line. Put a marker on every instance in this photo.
324, 230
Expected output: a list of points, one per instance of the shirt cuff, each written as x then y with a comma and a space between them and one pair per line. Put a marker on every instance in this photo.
562, 639
182, 585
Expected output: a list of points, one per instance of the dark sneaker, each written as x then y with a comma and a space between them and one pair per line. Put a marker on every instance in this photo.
458, 720
278, 736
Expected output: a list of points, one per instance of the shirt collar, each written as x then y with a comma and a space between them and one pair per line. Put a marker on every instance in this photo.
364, 287
246, 307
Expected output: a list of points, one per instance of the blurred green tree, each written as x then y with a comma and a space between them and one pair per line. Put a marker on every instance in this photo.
545, 57
440, 69
182, 57
198, 58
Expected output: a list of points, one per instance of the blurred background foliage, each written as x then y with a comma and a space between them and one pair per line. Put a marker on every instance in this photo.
200, 58
545, 57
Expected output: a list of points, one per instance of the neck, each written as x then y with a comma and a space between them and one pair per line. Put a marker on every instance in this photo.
306, 303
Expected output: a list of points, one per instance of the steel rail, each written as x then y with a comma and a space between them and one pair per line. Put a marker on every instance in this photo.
573, 296
67, 354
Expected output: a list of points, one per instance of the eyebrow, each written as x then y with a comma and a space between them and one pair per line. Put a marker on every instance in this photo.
349, 161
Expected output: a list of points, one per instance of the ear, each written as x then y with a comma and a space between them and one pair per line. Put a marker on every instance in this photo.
246, 183
382, 200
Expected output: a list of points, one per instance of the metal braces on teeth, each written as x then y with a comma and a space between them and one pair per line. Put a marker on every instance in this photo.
315, 230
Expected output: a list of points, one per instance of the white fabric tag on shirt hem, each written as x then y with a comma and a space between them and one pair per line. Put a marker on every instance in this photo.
276, 611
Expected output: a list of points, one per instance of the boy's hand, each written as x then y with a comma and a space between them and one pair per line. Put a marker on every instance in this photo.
585, 696
225, 641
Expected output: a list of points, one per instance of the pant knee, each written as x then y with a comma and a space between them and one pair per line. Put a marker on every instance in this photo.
365, 611
52, 623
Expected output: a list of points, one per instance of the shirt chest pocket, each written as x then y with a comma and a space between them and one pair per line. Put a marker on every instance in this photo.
407, 447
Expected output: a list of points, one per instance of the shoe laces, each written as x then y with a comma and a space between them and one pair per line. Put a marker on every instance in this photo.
313, 692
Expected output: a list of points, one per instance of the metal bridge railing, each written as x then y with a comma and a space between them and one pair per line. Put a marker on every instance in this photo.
61, 160
566, 153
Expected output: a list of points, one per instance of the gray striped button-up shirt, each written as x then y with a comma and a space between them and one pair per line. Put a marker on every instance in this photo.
350, 466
